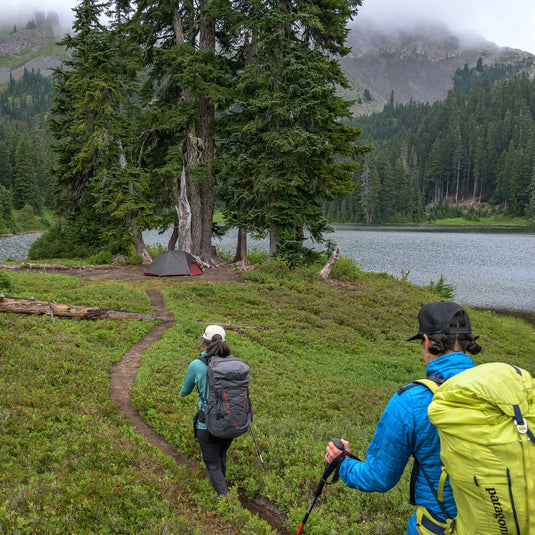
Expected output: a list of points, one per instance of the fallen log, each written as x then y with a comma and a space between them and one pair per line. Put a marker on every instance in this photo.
56, 267
32, 307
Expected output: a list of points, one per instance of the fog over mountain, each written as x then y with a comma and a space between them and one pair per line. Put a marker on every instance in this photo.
409, 56
506, 24
415, 61
19, 12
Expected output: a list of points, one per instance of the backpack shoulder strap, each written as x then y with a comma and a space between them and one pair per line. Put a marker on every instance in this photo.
428, 383
203, 395
431, 383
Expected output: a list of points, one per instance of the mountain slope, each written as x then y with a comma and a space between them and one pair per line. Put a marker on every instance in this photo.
33, 48
416, 63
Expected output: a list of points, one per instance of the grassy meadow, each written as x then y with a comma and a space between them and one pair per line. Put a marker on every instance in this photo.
325, 359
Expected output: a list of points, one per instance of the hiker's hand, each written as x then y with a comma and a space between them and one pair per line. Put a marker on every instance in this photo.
333, 452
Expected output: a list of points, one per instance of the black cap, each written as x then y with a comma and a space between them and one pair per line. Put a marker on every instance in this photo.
436, 318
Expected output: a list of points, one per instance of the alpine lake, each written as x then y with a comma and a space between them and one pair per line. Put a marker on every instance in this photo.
489, 267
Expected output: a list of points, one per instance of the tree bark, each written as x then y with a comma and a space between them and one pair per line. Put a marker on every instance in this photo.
241, 249
139, 243
32, 307
171, 244
200, 148
273, 240
184, 216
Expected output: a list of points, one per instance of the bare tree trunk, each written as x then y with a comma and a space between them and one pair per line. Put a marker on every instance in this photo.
200, 150
326, 271
171, 244
241, 249
273, 240
184, 215
32, 307
139, 244
458, 180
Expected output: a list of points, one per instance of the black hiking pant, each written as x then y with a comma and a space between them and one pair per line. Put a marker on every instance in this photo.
214, 455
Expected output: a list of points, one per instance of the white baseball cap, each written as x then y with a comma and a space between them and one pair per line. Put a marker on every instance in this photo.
212, 330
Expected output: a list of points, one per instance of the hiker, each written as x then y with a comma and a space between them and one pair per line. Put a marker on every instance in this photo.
404, 428
213, 449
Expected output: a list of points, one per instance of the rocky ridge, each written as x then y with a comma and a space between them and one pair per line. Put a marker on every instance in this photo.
416, 63
24, 48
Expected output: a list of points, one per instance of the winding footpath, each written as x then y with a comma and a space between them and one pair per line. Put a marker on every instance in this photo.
122, 379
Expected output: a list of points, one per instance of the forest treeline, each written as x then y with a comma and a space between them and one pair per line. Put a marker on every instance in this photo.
26, 155
159, 114
474, 149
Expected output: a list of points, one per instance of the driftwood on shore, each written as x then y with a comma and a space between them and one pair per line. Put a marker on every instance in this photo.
55, 267
326, 270
19, 305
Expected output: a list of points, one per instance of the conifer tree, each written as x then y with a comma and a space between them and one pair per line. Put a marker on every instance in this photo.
285, 148
187, 78
25, 189
100, 139
7, 223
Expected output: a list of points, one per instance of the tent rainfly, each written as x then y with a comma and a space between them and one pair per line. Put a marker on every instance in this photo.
173, 263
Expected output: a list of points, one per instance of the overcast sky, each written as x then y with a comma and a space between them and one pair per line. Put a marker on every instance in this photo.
506, 23
510, 23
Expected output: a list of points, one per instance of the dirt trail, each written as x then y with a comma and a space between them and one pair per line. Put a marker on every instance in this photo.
122, 378
124, 373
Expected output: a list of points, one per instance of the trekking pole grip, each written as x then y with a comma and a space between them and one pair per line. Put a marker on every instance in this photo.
338, 443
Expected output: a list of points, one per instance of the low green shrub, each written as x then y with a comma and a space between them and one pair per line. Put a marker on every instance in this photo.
156, 249
102, 257
346, 269
442, 289
6, 285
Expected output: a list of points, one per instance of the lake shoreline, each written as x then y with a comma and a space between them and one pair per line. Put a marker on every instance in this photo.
490, 270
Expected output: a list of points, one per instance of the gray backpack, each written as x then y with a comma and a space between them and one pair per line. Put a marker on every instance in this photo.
227, 407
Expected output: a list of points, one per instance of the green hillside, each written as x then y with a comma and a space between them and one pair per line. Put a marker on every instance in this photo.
324, 358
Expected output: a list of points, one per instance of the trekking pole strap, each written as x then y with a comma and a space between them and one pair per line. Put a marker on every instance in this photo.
339, 460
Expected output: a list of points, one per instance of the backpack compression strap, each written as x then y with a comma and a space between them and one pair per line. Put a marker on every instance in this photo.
527, 439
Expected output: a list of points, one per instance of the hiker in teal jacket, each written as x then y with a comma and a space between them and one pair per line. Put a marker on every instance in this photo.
404, 429
213, 449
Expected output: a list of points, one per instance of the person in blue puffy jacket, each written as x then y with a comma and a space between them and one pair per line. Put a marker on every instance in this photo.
404, 429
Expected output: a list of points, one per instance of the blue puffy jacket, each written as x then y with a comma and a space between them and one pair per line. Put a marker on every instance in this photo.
404, 430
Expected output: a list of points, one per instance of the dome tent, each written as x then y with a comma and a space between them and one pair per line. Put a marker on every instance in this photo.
173, 263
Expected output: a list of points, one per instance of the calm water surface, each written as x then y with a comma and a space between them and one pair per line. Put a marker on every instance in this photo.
490, 268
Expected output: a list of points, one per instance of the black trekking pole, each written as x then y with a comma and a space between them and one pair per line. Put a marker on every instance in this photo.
332, 467
257, 448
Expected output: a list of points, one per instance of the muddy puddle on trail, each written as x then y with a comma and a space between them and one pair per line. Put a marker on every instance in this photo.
266, 510
122, 378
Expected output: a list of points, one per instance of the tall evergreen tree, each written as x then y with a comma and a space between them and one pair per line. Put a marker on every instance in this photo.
25, 190
7, 222
186, 64
286, 148
99, 142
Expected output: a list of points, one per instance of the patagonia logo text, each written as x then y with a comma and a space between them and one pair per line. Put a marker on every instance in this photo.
498, 511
